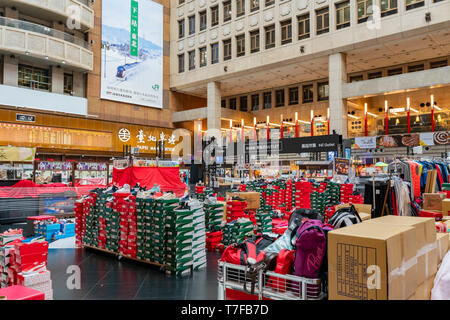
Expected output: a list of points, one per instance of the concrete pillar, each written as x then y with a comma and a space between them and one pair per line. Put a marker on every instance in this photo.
79, 84
337, 70
57, 80
213, 105
10, 71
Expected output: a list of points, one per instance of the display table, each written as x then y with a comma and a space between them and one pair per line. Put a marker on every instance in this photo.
29, 229
21, 293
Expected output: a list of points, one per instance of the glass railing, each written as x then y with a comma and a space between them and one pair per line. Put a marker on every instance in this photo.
33, 27
85, 2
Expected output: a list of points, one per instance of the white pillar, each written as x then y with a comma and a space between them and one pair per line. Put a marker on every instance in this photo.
213, 105
57, 80
10, 71
337, 68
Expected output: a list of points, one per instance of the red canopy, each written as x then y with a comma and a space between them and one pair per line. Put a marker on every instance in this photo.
167, 178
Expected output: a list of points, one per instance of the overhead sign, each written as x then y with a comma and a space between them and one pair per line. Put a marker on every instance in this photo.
396, 110
365, 142
25, 117
17, 154
132, 52
311, 144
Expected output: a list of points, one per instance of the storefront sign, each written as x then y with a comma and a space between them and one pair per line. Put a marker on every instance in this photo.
17, 154
25, 117
145, 139
396, 110
311, 144
365, 142
341, 166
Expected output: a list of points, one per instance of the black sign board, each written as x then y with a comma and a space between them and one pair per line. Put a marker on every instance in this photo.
25, 117
311, 144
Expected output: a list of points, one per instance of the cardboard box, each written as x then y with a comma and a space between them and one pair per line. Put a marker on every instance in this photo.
365, 216
365, 262
445, 204
364, 210
252, 198
423, 291
442, 244
425, 239
433, 201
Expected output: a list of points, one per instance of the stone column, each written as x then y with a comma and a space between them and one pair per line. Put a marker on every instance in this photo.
338, 106
57, 80
10, 70
213, 106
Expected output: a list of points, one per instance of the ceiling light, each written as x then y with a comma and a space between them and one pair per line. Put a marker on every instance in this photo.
352, 116
63, 62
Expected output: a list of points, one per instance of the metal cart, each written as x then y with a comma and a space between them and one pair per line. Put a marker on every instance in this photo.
268, 285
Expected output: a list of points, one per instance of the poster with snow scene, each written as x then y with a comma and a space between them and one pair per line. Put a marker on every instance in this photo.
132, 52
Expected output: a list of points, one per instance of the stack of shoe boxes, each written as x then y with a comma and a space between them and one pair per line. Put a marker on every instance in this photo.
162, 209
199, 238
100, 205
148, 230
213, 215
263, 221
80, 222
121, 206
140, 223
235, 209
302, 197
131, 250
91, 234
40, 280
180, 234
333, 193
112, 226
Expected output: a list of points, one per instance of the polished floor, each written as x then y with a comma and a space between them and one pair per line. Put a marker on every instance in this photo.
106, 278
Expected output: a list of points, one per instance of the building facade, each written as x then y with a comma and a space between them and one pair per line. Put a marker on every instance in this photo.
337, 63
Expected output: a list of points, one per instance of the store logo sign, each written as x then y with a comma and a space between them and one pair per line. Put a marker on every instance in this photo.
124, 135
25, 117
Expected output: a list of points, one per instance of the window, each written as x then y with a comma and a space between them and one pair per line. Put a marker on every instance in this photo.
267, 98
240, 45
214, 53
34, 78
279, 98
203, 22
375, 75
342, 15
411, 4
293, 96
227, 49
202, 56
181, 2
417, 67
254, 5
233, 104
243, 103
226, 11
255, 102
286, 31
393, 72
223, 103
438, 64
240, 8
191, 25
364, 10
181, 63
322, 91
270, 36
322, 18
191, 60
68, 83
303, 26
269, 2
308, 93
388, 7
356, 78
254, 41
214, 16
180, 29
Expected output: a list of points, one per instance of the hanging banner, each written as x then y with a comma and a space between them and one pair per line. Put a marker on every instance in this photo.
365, 142
341, 166
132, 52
427, 139
17, 154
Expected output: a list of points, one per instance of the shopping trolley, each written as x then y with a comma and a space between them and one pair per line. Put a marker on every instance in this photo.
234, 280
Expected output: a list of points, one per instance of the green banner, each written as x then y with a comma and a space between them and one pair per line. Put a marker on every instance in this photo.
134, 28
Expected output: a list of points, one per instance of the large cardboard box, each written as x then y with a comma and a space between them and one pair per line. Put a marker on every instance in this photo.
364, 210
252, 198
445, 207
433, 201
372, 262
442, 244
425, 239
423, 291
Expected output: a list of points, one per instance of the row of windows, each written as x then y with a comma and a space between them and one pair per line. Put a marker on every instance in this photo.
41, 79
399, 70
365, 9
293, 96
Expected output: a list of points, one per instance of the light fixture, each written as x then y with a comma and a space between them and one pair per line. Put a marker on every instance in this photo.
414, 110
254, 121
417, 118
312, 115
296, 116
372, 114
46, 57
63, 62
439, 118
397, 121
27, 53
385, 106
352, 116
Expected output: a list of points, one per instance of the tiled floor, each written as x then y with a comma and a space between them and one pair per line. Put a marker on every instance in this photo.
104, 277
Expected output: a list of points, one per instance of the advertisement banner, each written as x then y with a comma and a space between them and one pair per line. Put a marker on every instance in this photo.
427, 139
132, 52
365, 142
17, 154
341, 166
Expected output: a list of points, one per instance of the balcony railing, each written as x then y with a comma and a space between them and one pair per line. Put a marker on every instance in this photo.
33, 27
